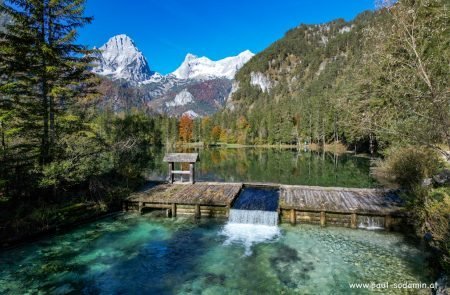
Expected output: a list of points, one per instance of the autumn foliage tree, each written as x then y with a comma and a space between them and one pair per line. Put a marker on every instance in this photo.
215, 133
186, 128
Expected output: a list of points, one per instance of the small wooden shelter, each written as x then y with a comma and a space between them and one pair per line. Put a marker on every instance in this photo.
173, 158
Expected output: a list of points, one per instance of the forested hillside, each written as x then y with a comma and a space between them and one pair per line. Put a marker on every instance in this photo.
305, 81
335, 82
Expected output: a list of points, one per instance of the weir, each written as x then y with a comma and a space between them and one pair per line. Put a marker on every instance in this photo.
371, 222
253, 217
270, 204
255, 206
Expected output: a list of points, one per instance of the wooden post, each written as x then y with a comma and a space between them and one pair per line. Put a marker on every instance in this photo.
293, 217
124, 206
323, 218
353, 220
191, 172
171, 168
174, 210
141, 206
227, 212
198, 213
387, 222
168, 213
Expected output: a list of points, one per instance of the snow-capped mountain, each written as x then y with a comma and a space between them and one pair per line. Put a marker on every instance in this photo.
199, 86
119, 58
194, 67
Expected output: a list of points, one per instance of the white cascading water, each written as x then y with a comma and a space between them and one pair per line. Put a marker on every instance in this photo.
371, 222
253, 217
249, 227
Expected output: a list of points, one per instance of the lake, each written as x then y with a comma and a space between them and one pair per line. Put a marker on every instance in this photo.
133, 254
285, 166
128, 253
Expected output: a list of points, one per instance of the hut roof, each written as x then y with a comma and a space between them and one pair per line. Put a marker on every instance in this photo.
181, 157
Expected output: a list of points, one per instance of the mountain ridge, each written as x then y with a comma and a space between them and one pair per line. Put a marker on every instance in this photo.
119, 58
199, 86
194, 67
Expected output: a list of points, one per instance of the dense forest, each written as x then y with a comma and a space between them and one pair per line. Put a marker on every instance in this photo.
364, 83
378, 83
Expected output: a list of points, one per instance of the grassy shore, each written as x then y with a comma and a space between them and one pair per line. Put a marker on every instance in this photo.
337, 148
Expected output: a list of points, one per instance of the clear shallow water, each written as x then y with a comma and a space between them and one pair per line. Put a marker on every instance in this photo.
286, 166
142, 254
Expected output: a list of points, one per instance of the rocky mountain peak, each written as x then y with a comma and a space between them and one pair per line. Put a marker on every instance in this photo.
119, 58
194, 67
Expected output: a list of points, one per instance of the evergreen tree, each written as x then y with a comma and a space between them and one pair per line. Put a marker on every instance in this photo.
45, 73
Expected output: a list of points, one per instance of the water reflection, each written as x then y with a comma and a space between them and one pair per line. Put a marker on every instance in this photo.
287, 166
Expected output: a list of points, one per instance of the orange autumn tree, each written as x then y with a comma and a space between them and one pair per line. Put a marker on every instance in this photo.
186, 128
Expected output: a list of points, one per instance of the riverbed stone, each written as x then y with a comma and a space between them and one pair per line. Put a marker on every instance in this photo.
442, 178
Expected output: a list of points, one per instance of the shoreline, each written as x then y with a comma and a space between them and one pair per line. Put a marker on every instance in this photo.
18, 241
337, 148
62, 226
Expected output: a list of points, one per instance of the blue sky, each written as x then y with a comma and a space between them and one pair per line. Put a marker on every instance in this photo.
165, 31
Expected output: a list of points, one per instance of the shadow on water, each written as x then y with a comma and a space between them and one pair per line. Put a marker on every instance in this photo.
291, 270
159, 266
252, 198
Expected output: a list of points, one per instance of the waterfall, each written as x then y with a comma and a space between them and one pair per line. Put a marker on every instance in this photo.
253, 217
371, 222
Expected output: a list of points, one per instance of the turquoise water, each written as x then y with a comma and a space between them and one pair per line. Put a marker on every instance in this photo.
131, 254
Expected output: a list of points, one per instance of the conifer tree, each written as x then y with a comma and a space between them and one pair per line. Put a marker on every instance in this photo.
44, 73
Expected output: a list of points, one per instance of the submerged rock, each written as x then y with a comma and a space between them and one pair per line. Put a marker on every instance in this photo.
441, 286
442, 178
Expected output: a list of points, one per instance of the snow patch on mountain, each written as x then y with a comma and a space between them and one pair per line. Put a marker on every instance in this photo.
346, 29
260, 80
194, 67
191, 114
119, 58
181, 99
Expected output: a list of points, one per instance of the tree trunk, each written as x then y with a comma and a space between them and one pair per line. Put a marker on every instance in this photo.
44, 95
371, 145
45, 119
310, 129
51, 99
2, 127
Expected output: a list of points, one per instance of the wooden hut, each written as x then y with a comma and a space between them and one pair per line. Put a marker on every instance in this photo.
173, 158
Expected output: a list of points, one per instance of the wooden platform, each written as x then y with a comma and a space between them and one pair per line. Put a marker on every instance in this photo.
216, 194
340, 200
